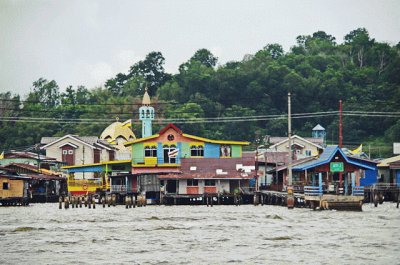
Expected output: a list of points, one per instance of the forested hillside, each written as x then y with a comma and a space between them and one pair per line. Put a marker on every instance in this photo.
239, 100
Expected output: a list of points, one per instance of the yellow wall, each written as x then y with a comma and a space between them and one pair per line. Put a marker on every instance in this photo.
16, 188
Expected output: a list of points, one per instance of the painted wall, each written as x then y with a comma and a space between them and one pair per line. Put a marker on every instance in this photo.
15, 188
369, 179
222, 186
137, 153
183, 144
211, 150
284, 147
82, 155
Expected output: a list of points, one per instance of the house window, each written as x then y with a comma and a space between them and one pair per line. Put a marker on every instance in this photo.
70, 152
209, 182
65, 152
150, 151
193, 182
308, 152
169, 155
6, 186
196, 150
225, 151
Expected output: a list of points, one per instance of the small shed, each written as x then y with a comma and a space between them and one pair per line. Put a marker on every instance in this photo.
13, 188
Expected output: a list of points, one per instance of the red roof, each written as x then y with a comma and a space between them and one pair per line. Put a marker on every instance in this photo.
155, 170
215, 168
163, 130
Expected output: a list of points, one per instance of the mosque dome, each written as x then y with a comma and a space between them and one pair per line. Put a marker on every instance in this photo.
117, 133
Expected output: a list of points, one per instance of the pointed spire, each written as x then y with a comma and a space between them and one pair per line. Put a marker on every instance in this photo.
146, 98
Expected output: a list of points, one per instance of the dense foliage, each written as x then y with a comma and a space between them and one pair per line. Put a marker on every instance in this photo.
317, 71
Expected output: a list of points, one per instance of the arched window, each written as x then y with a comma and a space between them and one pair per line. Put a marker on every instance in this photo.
150, 151
142, 113
147, 113
196, 150
169, 154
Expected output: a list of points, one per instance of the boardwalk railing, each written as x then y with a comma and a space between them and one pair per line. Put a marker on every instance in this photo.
120, 188
383, 187
312, 191
358, 191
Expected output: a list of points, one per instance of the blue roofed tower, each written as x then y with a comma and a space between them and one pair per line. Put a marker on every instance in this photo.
319, 132
146, 115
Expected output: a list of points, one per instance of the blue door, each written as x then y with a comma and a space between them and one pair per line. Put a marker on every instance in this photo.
398, 177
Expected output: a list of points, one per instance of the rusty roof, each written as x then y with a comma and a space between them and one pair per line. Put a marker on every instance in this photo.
215, 168
31, 168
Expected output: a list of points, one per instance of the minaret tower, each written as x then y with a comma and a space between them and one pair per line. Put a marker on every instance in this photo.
146, 115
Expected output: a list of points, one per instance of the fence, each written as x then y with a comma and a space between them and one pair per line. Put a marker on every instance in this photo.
312, 191
358, 191
121, 188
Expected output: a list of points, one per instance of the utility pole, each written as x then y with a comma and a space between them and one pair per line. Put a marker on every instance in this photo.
340, 124
290, 178
340, 141
290, 196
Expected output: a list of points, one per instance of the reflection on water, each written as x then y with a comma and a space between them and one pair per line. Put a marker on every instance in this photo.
43, 234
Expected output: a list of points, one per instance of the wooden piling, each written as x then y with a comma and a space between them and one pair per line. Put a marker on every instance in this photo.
66, 202
60, 202
113, 200
94, 202
376, 200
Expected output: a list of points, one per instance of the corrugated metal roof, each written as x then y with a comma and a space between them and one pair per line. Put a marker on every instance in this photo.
215, 168
387, 161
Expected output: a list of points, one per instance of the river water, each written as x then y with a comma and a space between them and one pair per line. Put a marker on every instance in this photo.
43, 234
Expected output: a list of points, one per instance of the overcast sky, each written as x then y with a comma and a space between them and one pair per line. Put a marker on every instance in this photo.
87, 42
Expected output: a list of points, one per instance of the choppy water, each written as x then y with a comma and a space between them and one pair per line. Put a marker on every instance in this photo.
43, 234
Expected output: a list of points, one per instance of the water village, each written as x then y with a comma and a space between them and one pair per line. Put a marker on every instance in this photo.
171, 167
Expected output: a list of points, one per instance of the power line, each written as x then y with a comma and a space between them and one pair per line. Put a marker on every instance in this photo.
189, 121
